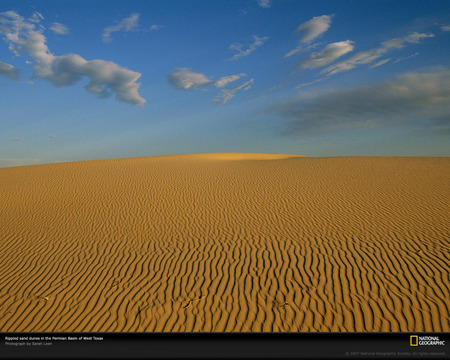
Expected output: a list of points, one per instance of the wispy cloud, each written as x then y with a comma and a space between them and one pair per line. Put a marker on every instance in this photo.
292, 52
410, 97
127, 24
380, 63
369, 56
265, 3
301, 48
227, 94
310, 31
155, 27
308, 83
130, 23
106, 77
406, 57
223, 81
185, 79
59, 28
9, 71
257, 42
445, 27
17, 139
326, 56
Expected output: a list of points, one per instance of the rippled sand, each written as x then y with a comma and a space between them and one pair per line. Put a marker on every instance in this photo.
226, 242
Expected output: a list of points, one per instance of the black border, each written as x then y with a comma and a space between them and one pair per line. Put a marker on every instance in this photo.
225, 346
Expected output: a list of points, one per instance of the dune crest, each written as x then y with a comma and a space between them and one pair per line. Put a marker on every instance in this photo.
196, 243
243, 156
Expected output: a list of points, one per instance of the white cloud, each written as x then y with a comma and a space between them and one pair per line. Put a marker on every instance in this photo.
406, 57
445, 27
156, 27
416, 98
127, 24
36, 17
309, 31
292, 52
360, 58
308, 83
9, 71
398, 43
105, 77
326, 56
59, 29
223, 81
264, 3
368, 56
301, 48
227, 94
258, 41
313, 28
379, 63
185, 79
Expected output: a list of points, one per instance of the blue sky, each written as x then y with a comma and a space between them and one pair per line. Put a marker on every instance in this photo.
84, 80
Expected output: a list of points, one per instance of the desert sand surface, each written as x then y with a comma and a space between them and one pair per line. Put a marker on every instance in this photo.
226, 243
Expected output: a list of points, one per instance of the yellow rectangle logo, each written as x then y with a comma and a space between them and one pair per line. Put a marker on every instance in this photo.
414, 340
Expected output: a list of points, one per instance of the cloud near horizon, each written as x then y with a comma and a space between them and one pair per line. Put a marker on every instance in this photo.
258, 42
9, 162
412, 98
105, 77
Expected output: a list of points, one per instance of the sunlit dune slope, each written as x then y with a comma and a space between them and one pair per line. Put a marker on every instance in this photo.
240, 156
196, 243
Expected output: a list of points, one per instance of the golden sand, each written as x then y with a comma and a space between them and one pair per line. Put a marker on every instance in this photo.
226, 242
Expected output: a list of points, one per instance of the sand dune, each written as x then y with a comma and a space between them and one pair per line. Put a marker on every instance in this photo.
197, 243
240, 156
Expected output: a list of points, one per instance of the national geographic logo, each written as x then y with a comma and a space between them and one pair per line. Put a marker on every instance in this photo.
415, 340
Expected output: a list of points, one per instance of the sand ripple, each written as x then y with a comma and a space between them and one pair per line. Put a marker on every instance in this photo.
226, 242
